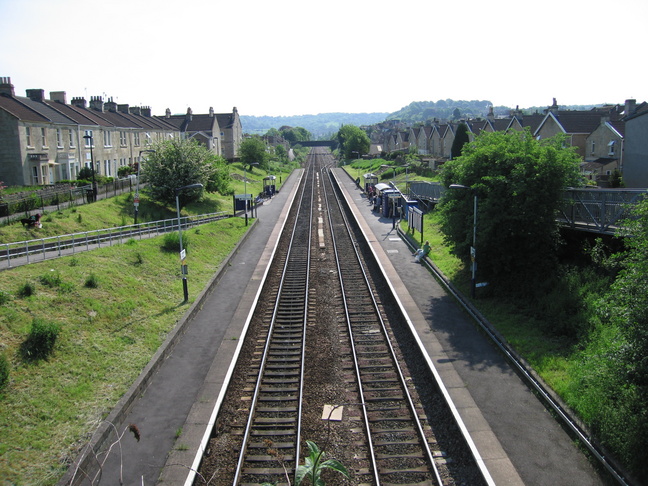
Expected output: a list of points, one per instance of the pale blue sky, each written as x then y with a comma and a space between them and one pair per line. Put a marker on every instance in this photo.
291, 57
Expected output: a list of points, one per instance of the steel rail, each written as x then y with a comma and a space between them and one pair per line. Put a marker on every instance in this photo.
429, 457
285, 291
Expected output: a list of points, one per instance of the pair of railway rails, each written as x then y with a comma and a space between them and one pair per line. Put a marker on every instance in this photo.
323, 362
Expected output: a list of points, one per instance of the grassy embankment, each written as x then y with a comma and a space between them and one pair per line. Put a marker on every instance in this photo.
114, 307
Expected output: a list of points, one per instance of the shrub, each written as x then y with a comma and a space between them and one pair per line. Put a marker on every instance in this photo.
27, 290
40, 341
4, 371
92, 282
66, 288
52, 279
171, 242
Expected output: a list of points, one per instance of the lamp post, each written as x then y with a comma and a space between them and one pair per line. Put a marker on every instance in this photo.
183, 267
94, 182
136, 198
245, 188
473, 249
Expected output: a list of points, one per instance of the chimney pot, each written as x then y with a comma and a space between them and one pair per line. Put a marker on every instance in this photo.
79, 102
6, 88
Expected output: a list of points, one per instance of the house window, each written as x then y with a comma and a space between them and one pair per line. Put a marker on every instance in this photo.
89, 142
35, 175
147, 135
107, 136
44, 137
59, 138
28, 136
71, 135
122, 139
136, 139
593, 147
107, 171
611, 146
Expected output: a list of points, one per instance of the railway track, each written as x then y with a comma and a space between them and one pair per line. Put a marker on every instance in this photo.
320, 340
396, 441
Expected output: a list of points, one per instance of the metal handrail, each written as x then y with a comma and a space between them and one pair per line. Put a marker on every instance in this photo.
40, 249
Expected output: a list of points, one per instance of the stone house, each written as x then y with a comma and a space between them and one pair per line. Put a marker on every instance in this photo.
221, 133
604, 150
44, 140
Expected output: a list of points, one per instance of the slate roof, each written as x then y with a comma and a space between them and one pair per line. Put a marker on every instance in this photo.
578, 121
197, 123
45, 110
20, 110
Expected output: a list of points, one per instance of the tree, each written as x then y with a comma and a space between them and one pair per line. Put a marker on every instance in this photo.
252, 150
461, 139
519, 182
177, 163
353, 139
296, 134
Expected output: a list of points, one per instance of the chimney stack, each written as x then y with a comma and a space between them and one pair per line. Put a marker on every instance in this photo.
6, 88
211, 112
189, 115
167, 113
36, 94
110, 106
96, 103
630, 107
135, 110
58, 96
146, 111
123, 109
79, 102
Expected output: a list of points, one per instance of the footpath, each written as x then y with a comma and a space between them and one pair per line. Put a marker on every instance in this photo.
173, 403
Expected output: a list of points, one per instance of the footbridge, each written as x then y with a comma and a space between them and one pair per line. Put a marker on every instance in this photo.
593, 210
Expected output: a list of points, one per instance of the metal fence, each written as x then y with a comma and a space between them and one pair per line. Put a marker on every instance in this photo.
14, 207
31, 251
598, 210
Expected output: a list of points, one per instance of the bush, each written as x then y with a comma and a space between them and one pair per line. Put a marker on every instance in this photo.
40, 341
27, 290
92, 282
171, 242
4, 371
52, 279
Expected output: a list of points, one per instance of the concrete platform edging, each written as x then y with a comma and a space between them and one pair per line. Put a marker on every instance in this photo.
115, 417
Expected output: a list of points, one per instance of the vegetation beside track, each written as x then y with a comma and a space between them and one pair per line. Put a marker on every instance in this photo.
114, 307
585, 368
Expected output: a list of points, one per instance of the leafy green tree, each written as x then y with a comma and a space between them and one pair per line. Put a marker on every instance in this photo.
177, 163
461, 139
519, 182
353, 139
254, 150
295, 134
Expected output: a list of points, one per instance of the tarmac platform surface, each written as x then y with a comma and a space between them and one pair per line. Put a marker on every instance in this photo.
172, 403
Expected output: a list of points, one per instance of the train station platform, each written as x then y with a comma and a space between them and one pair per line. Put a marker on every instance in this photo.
172, 401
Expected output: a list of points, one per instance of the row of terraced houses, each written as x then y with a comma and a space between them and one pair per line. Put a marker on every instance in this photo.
43, 141
608, 138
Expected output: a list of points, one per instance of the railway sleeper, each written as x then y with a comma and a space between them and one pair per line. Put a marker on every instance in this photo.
266, 458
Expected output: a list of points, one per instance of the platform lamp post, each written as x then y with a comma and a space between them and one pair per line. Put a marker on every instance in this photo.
94, 182
183, 266
139, 166
245, 188
473, 249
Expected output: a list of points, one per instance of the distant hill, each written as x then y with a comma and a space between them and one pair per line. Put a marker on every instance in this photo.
320, 126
